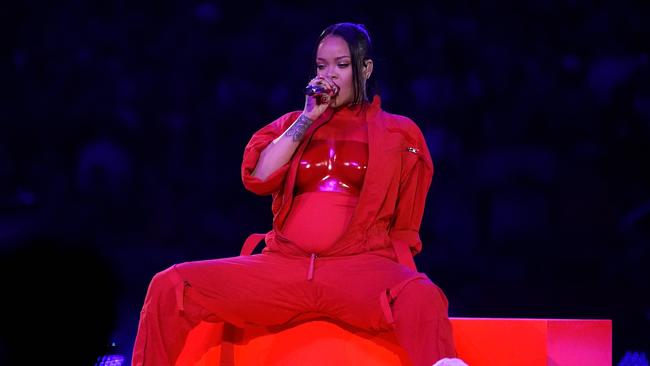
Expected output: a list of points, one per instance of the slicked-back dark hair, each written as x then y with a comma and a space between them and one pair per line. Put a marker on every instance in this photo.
358, 41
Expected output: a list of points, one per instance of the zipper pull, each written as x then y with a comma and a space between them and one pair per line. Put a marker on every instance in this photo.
310, 273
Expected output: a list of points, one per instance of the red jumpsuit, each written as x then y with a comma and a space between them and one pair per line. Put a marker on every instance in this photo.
347, 210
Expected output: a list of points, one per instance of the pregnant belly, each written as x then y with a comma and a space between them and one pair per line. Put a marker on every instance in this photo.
318, 219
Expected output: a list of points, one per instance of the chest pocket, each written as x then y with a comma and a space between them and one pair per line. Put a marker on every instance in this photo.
410, 156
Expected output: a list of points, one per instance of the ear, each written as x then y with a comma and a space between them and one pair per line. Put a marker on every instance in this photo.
367, 68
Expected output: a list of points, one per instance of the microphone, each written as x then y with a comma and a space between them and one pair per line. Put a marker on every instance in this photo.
311, 90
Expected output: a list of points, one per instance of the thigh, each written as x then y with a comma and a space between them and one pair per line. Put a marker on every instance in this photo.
353, 287
261, 289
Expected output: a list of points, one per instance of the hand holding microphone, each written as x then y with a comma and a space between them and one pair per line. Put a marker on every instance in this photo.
319, 93
321, 85
311, 90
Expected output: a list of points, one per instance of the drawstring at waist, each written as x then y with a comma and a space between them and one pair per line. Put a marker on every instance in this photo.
310, 272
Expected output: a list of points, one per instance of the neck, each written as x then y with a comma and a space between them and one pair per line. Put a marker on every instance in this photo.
351, 105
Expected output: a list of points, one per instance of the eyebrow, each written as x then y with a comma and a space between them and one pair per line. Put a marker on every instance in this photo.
340, 57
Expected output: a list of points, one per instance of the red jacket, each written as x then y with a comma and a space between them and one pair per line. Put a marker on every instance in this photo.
391, 203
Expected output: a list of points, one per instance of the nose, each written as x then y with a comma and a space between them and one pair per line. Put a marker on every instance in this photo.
331, 72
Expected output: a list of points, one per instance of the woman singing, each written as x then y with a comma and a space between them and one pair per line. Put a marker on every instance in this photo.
349, 183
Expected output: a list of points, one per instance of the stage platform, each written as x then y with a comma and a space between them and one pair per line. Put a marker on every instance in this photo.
480, 342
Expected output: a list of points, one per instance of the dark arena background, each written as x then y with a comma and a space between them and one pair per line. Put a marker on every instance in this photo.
123, 126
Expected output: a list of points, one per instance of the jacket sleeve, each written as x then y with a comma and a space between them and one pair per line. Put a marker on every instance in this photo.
260, 140
415, 180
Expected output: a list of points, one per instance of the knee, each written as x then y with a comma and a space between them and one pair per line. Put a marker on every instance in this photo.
422, 295
162, 276
161, 282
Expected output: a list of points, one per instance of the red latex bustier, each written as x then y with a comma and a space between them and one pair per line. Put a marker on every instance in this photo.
336, 159
332, 166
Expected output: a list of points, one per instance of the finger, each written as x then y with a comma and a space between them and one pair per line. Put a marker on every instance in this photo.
332, 85
326, 82
318, 80
321, 83
325, 99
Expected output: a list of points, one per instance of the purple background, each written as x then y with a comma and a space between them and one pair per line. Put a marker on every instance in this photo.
123, 126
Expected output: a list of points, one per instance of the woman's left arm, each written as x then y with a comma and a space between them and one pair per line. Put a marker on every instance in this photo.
415, 180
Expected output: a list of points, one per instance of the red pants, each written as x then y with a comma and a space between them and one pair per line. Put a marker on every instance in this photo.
365, 291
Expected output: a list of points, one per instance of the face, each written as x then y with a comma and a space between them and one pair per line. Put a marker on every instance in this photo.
333, 61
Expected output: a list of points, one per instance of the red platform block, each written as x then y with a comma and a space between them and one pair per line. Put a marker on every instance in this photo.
480, 342
533, 342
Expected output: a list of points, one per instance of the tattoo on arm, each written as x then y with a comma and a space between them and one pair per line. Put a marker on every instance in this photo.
298, 128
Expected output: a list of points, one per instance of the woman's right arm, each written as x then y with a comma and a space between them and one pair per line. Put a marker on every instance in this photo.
280, 150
